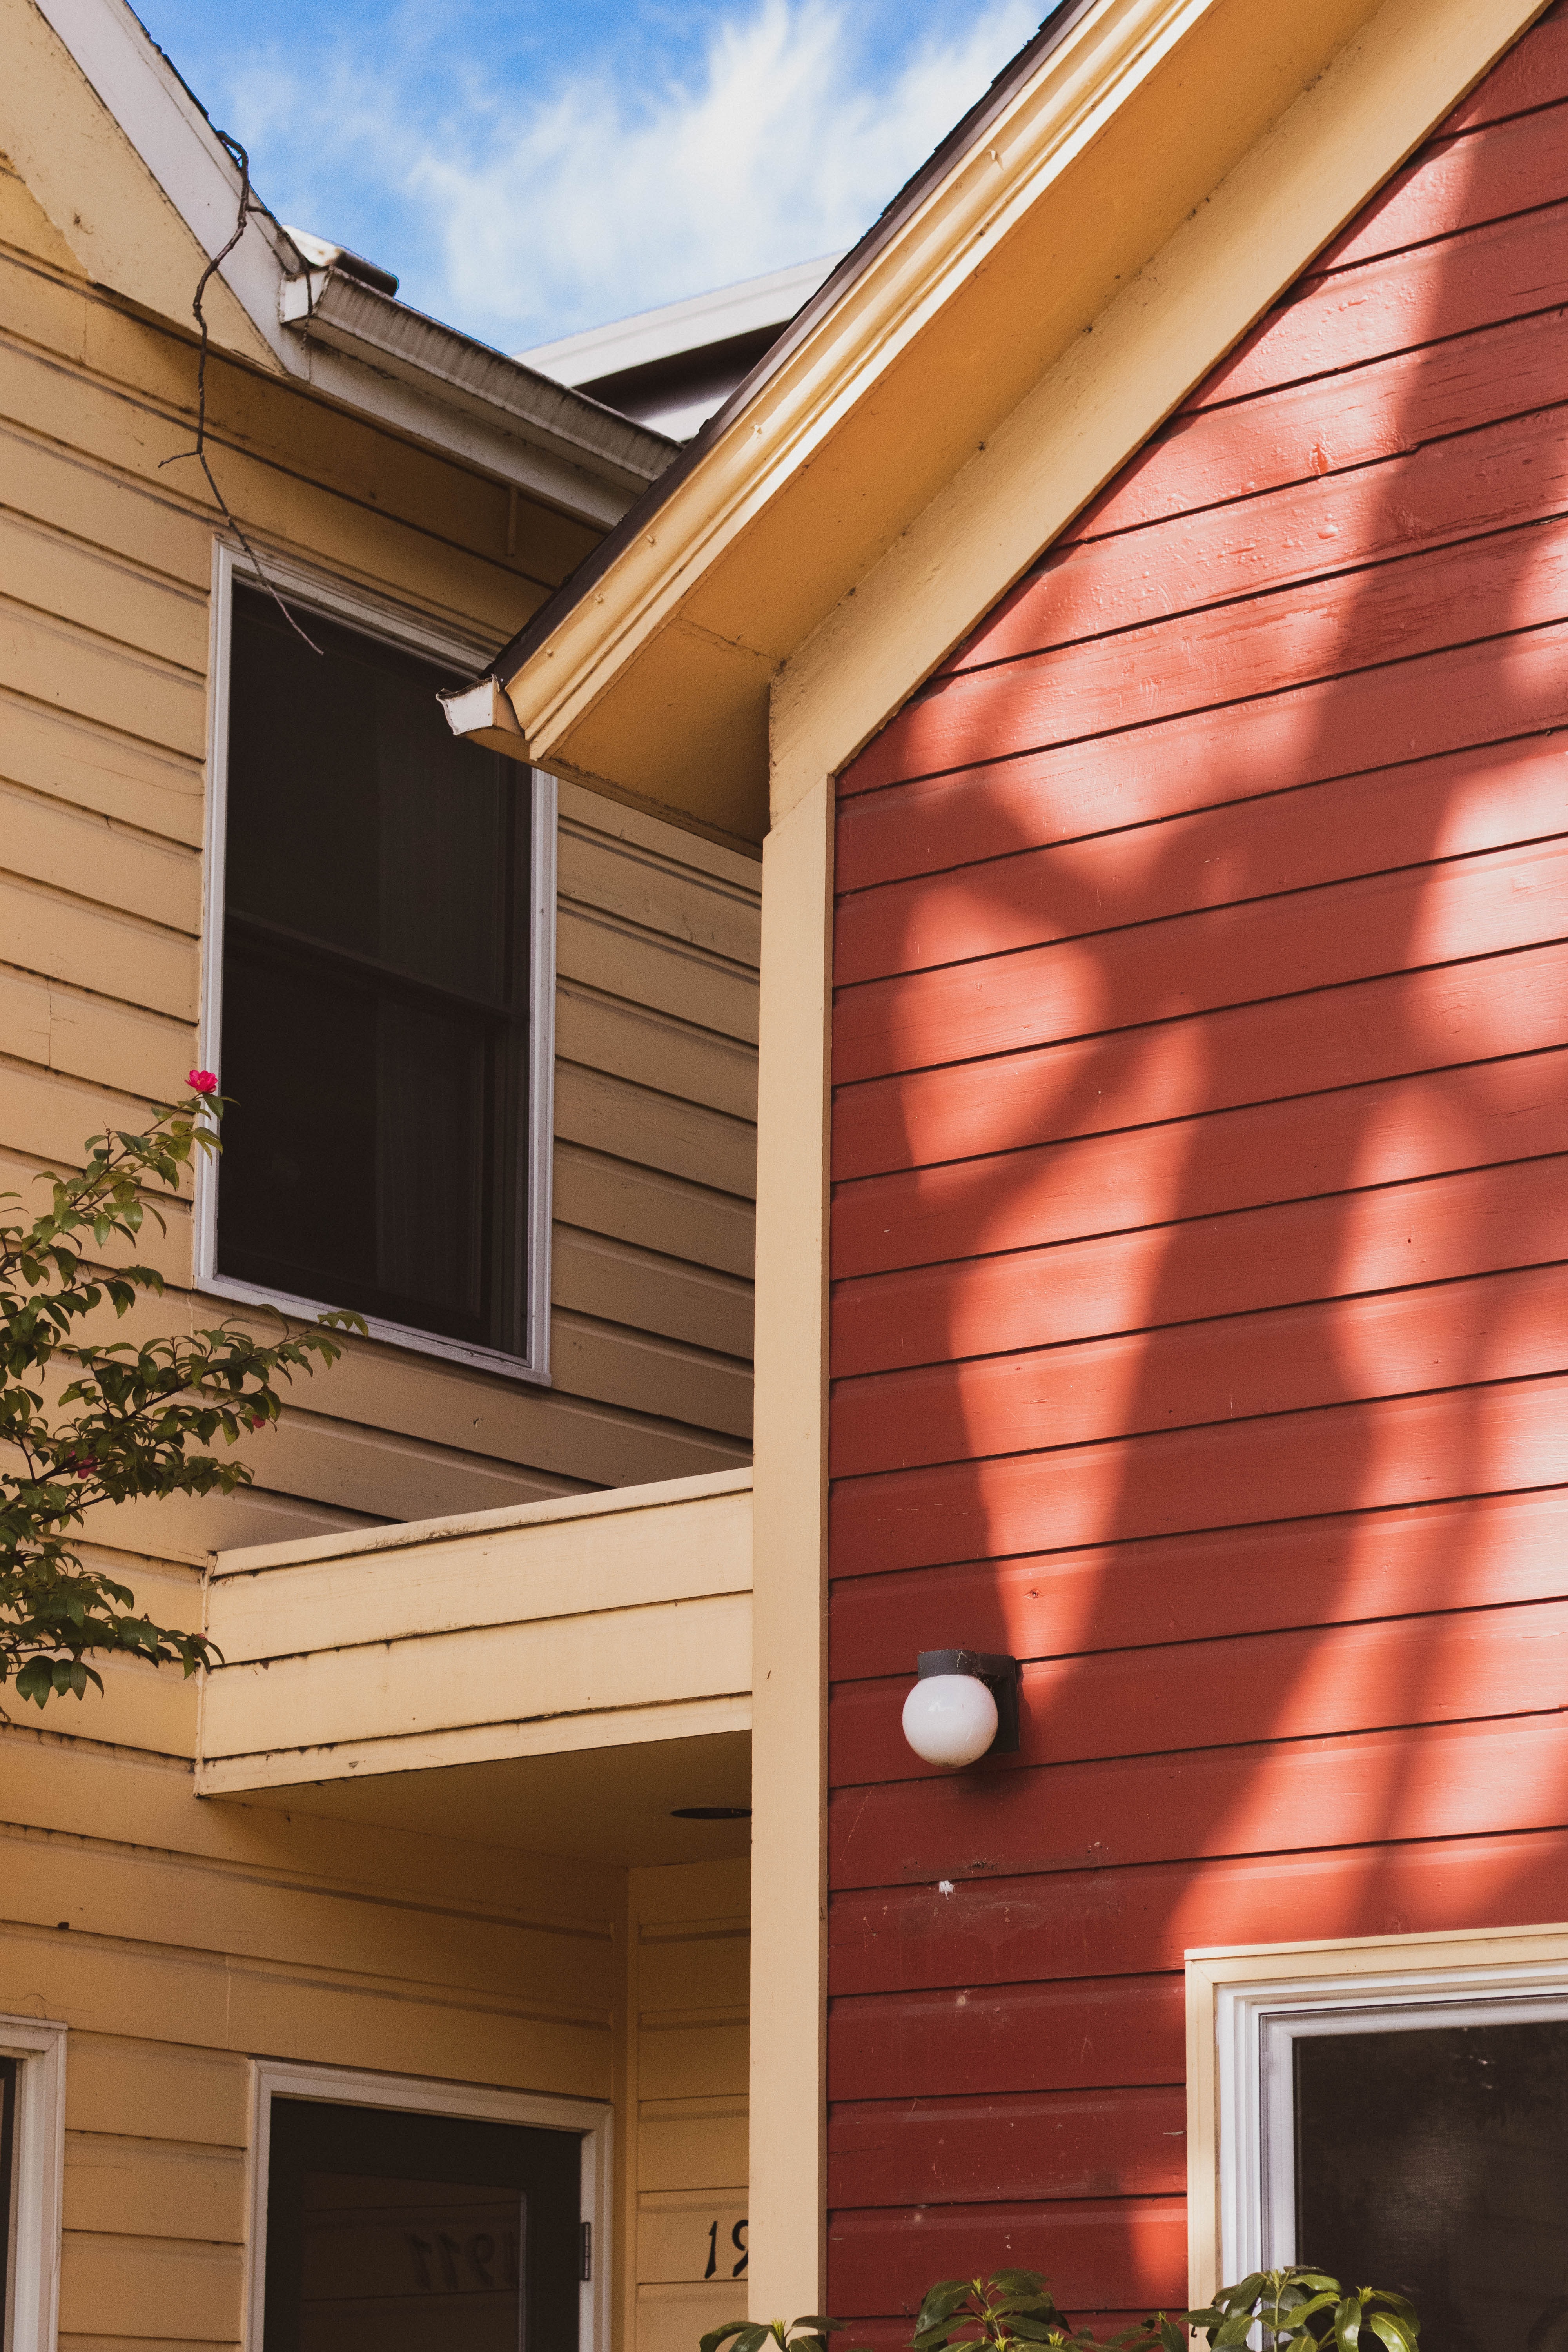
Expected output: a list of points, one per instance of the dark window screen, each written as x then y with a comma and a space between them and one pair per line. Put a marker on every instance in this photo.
7, 2192
397, 2233
374, 989
1437, 2161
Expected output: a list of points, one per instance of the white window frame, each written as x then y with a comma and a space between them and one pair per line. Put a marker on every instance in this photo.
1247, 2005
593, 2119
31, 2317
410, 631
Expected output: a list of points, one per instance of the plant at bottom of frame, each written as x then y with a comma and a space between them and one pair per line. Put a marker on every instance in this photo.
1010, 2308
1298, 2309
808, 2334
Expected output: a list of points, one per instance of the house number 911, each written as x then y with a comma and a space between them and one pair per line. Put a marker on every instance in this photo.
737, 2239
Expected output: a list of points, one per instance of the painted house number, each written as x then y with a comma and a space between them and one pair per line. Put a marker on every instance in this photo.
737, 2240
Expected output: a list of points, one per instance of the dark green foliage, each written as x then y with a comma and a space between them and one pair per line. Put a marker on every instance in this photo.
808, 2334
85, 1422
1304, 2307
1009, 2308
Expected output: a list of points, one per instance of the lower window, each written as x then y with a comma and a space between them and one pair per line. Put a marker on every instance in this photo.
394, 2228
1405, 2127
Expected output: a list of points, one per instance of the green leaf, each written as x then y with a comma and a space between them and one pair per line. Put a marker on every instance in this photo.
718, 2336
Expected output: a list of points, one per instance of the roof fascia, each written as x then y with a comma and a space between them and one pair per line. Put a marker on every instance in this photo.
157, 114
1348, 132
576, 677
677, 329
378, 355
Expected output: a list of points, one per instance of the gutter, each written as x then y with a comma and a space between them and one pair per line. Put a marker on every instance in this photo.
336, 311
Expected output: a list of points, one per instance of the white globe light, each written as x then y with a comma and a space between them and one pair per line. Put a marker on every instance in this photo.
950, 1719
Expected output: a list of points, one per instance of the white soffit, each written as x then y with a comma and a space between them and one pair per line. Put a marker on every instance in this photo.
674, 327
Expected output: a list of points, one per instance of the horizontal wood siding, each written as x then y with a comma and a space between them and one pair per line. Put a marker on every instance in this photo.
1198, 1239
178, 1939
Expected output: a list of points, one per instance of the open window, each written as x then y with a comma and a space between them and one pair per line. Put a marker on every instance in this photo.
1396, 2113
32, 2162
395, 2216
379, 985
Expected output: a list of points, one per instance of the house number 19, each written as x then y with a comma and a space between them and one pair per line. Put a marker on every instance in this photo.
737, 2239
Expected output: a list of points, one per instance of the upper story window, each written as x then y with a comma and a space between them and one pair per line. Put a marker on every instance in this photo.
380, 981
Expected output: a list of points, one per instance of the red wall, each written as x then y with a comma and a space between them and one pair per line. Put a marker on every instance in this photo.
1198, 1320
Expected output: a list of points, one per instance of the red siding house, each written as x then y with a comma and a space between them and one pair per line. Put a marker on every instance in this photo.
1129, 609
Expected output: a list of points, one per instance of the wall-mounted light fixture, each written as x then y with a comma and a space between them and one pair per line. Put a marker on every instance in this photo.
965, 1705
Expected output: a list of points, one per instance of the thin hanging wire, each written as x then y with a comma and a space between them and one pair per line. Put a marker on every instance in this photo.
247, 205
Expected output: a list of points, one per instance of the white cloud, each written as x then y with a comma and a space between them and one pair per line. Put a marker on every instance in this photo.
601, 199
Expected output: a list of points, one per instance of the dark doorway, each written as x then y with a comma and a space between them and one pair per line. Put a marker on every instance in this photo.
392, 2232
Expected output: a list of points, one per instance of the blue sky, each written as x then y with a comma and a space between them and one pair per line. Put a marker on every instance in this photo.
528, 167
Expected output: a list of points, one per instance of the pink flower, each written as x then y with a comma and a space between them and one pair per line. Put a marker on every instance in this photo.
202, 1082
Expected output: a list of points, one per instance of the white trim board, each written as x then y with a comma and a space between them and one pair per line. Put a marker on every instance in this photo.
29, 2323
1244, 2007
415, 632
591, 2119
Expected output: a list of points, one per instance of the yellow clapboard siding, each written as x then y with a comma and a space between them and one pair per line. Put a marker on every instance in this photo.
140, 1706
700, 2057
95, 505
607, 954
94, 1038
116, 2085
175, 2291
674, 2241
672, 2318
133, 1799
59, 664
390, 2023
631, 1122
649, 1374
46, 931
650, 1209
658, 890
635, 828
131, 1895
615, 1283
96, 768
92, 857
692, 2143
144, 2188
128, 606
707, 1971
655, 1050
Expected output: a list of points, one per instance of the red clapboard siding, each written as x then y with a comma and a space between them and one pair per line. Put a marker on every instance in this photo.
1384, 1133
1374, 1029
1362, 1789
1411, 1449
1492, 479
1533, 73
1330, 423
986, 1930
1450, 807
1456, 183
1322, 629
1194, 962
1021, 2037
1401, 302
1095, 2255
1476, 694
1500, 1549
1500, 1327
1251, 1687
1115, 2143
1401, 1236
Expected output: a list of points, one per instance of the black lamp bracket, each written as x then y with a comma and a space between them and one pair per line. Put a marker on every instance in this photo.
1001, 1675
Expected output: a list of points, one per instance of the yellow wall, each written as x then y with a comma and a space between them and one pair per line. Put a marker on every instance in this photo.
203, 1933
